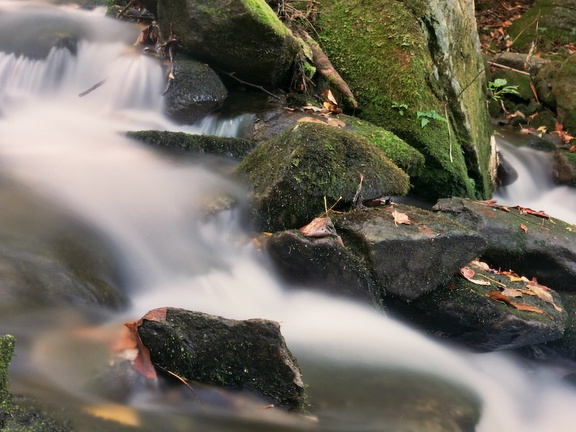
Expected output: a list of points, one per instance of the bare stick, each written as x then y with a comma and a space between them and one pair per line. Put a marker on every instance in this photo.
232, 74
123, 11
91, 89
501, 66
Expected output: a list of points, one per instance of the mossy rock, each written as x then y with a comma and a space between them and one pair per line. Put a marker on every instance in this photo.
235, 148
296, 173
472, 313
564, 88
548, 22
246, 355
244, 37
388, 52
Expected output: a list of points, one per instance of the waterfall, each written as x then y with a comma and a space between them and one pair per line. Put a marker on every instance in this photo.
72, 149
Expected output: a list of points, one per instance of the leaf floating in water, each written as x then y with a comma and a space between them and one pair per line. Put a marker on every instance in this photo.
400, 218
123, 414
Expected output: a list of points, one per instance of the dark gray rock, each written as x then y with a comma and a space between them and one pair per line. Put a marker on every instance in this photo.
409, 260
293, 174
243, 355
546, 250
195, 91
463, 312
239, 36
204, 144
322, 263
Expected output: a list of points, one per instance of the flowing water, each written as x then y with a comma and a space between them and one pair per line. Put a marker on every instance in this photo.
72, 151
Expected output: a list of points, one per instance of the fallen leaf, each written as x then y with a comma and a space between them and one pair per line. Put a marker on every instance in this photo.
310, 120
480, 265
524, 227
468, 274
319, 227
335, 122
142, 363
511, 292
526, 307
497, 295
123, 414
426, 230
400, 218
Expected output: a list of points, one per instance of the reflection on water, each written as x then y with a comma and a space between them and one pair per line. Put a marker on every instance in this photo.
72, 151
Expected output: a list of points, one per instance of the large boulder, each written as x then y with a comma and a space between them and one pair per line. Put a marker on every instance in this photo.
416, 70
240, 37
195, 91
411, 250
294, 175
550, 22
244, 355
50, 258
490, 311
529, 242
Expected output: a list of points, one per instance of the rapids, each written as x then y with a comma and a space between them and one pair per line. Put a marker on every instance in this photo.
72, 150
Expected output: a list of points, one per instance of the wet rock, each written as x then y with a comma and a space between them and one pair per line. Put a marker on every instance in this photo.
506, 174
50, 258
471, 314
546, 249
391, 400
322, 263
242, 355
564, 168
408, 260
195, 91
293, 174
242, 37
235, 148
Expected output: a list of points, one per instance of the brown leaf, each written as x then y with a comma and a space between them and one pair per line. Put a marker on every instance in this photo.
400, 218
526, 307
142, 362
524, 227
310, 120
480, 265
319, 227
332, 121
426, 230
497, 295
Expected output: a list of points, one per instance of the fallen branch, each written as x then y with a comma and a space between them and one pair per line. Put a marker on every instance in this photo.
501, 66
91, 89
123, 11
233, 75
324, 66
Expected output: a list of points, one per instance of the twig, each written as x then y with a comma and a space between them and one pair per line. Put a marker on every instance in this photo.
449, 131
91, 89
123, 11
232, 74
179, 378
357, 200
501, 66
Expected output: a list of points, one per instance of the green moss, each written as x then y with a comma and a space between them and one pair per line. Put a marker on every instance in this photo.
399, 152
260, 10
385, 58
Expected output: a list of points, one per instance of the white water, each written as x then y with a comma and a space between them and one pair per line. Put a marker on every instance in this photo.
71, 150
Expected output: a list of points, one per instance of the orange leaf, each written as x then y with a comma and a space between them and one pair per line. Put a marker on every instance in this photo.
497, 295
524, 227
526, 307
142, 362
319, 227
468, 274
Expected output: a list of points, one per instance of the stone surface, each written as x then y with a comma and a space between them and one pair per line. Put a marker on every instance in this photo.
322, 264
408, 260
463, 312
195, 91
295, 174
243, 355
423, 55
243, 37
546, 250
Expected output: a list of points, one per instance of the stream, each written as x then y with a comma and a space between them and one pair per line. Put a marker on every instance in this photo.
72, 151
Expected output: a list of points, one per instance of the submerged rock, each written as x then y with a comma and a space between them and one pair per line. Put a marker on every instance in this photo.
48, 257
242, 355
292, 175
533, 246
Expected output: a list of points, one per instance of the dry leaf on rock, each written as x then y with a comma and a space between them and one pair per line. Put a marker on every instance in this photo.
480, 265
319, 227
511, 292
400, 218
468, 274
524, 227
526, 307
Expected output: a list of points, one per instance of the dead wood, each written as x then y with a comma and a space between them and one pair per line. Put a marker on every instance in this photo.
326, 69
